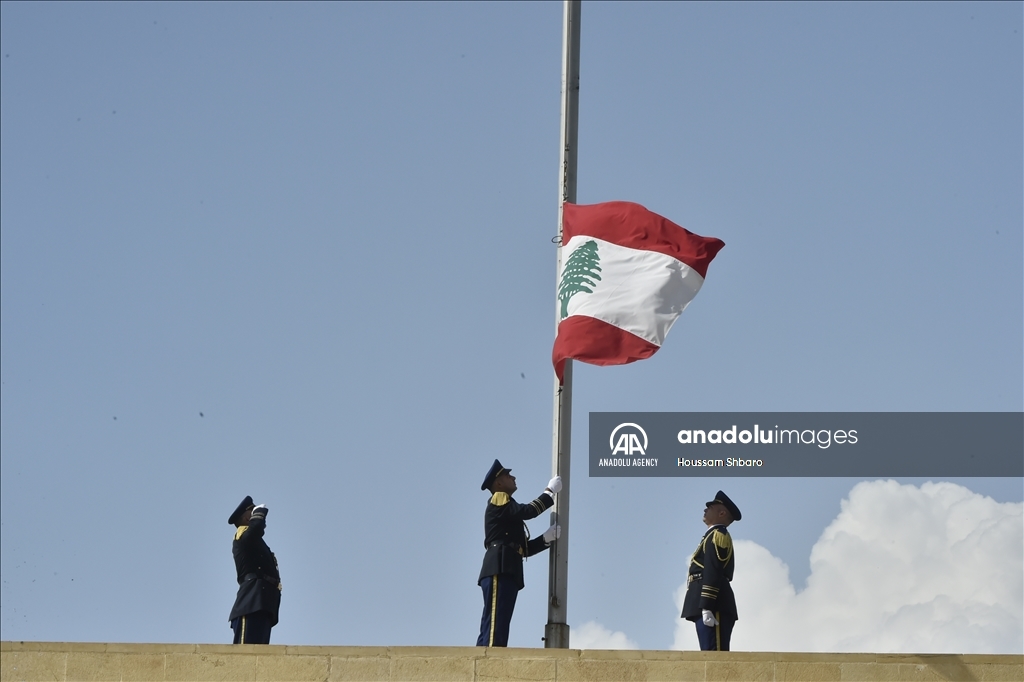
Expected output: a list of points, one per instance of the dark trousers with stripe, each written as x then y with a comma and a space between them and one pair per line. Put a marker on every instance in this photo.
499, 602
252, 628
716, 638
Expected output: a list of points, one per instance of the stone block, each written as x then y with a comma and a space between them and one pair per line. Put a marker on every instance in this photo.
999, 672
142, 667
590, 670
234, 649
518, 653
869, 672
85, 647
808, 671
360, 669
358, 651
33, 646
93, 666
997, 659
160, 649
446, 651
515, 669
751, 671
436, 668
800, 657
927, 671
611, 654
279, 668
679, 670
210, 667
32, 665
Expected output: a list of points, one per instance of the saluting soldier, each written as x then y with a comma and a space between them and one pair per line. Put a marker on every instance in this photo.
507, 541
259, 582
709, 600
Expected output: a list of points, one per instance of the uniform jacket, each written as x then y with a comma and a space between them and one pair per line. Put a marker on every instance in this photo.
506, 537
259, 583
707, 582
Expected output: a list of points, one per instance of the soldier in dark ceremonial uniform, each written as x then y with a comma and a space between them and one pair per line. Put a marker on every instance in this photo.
259, 583
507, 541
709, 600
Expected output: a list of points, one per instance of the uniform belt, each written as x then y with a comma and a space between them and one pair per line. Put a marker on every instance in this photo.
253, 576
693, 576
506, 543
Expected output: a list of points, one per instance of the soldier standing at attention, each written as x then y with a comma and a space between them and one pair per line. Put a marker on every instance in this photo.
259, 583
709, 600
507, 541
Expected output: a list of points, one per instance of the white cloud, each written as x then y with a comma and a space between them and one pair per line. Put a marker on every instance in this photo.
930, 569
593, 635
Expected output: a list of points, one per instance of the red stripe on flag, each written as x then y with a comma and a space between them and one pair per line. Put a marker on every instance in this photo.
598, 343
633, 226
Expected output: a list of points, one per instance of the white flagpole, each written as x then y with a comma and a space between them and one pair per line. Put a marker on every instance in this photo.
556, 632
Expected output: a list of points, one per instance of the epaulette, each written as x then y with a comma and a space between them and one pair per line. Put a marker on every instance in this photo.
499, 499
723, 545
723, 540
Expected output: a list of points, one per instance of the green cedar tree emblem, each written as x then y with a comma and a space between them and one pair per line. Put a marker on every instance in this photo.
579, 274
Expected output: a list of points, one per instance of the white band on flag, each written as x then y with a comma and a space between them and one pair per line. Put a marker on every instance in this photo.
642, 292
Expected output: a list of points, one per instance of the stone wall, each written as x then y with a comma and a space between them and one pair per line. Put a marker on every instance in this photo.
79, 661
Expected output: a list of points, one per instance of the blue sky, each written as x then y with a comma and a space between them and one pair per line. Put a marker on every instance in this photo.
303, 252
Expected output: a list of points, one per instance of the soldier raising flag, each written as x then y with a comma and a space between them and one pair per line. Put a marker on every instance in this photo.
507, 542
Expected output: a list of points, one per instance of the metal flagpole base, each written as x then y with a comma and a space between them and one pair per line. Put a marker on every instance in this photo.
556, 636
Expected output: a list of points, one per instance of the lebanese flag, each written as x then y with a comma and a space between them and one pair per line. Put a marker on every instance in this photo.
626, 276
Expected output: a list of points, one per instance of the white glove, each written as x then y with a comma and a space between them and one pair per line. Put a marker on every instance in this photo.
708, 618
260, 510
555, 484
552, 533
